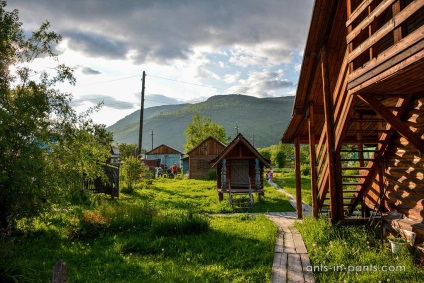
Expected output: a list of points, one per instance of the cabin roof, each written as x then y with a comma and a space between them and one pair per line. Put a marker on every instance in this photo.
202, 142
239, 139
323, 16
172, 150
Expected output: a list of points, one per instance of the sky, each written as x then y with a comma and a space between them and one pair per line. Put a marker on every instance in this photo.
190, 49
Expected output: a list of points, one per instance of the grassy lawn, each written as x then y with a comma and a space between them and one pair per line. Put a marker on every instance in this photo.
354, 254
165, 232
201, 196
285, 178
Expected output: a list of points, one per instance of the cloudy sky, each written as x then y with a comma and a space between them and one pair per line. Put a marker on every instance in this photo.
189, 49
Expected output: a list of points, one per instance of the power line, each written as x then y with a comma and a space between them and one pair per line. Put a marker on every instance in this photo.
183, 82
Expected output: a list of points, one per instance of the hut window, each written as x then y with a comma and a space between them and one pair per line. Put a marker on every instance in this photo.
204, 148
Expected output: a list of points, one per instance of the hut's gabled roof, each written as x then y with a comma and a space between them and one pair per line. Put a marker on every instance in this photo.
205, 140
239, 140
164, 149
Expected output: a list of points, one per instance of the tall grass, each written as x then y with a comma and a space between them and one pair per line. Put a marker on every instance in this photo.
353, 254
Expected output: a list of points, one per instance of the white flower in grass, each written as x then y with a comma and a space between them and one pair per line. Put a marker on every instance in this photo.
188, 259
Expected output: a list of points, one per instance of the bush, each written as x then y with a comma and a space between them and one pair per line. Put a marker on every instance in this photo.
305, 169
181, 223
90, 224
212, 175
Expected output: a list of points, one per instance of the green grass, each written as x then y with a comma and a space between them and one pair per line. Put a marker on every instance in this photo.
201, 196
286, 180
354, 254
165, 232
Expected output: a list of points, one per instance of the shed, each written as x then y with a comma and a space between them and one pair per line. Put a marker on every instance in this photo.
240, 169
167, 155
360, 106
200, 156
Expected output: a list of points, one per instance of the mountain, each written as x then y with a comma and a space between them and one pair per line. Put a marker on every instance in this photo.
264, 119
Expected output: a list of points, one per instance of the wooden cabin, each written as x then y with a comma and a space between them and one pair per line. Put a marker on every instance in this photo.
167, 155
360, 107
240, 169
200, 156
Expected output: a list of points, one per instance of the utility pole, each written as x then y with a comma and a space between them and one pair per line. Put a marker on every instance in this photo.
140, 132
237, 128
152, 139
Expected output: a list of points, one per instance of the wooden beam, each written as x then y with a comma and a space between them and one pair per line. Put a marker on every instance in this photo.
313, 161
394, 121
336, 195
381, 150
298, 179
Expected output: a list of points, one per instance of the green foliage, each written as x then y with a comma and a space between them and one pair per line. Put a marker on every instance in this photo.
200, 129
305, 169
127, 150
132, 171
90, 224
212, 175
45, 146
280, 154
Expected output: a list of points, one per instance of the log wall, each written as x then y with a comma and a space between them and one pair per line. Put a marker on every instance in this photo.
405, 168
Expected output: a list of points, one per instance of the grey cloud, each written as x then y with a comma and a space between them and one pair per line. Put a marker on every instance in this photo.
152, 100
165, 30
96, 45
108, 101
89, 71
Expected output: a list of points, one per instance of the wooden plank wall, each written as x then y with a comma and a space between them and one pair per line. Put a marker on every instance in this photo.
208, 147
199, 166
405, 168
164, 150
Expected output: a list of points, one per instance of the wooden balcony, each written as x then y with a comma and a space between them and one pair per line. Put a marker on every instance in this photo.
386, 42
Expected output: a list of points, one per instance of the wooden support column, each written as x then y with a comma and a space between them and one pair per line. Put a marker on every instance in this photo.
349, 30
298, 178
336, 194
313, 161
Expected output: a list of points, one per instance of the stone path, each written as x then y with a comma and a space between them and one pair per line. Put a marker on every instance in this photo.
290, 256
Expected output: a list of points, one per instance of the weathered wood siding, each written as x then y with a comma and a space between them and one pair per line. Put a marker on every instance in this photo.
163, 149
200, 156
405, 168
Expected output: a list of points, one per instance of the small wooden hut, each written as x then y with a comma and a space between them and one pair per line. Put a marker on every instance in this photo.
240, 169
200, 156
167, 155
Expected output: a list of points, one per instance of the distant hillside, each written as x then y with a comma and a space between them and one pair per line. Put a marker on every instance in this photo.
264, 118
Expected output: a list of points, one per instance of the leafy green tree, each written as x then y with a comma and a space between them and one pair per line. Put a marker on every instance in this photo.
44, 144
127, 150
134, 170
200, 129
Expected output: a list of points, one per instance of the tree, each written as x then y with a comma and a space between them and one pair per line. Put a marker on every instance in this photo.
127, 150
44, 144
200, 129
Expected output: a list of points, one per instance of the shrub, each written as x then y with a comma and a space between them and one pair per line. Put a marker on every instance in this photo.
180, 223
306, 169
212, 175
90, 224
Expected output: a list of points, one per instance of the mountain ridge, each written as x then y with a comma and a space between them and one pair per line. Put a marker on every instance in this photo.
261, 120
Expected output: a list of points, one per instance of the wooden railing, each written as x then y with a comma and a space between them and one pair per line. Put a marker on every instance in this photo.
375, 34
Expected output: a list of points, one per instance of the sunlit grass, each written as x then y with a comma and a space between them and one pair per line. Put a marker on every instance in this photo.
354, 254
164, 232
